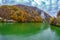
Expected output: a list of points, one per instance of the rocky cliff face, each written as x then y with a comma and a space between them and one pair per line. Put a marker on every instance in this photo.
56, 21
58, 14
7, 11
23, 13
58, 18
20, 13
46, 17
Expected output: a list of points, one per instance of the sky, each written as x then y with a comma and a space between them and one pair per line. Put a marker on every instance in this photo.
46, 5
24, 1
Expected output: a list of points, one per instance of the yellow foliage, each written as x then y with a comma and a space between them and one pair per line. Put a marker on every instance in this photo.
14, 16
32, 20
52, 19
20, 14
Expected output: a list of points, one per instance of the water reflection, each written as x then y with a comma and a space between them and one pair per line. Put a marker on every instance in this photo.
29, 31
56, 30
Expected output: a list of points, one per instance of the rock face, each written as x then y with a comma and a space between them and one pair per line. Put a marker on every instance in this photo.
46, 17
58, 18
58, 13
56, 21
20, 13
7, 11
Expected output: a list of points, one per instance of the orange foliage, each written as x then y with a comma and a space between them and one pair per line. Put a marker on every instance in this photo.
19, 14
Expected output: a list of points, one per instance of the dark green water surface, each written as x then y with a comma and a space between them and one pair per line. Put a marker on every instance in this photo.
29, 31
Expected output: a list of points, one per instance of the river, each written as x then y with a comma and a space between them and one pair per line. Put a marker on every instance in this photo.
29, 31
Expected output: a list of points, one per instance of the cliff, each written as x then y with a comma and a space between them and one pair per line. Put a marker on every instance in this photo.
20, 13
56, 21
23, 13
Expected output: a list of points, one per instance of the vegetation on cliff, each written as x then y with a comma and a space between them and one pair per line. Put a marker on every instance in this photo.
56, 21
19, 14
58, 18
22, 13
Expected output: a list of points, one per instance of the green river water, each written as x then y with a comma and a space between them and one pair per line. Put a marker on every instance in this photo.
29, 31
